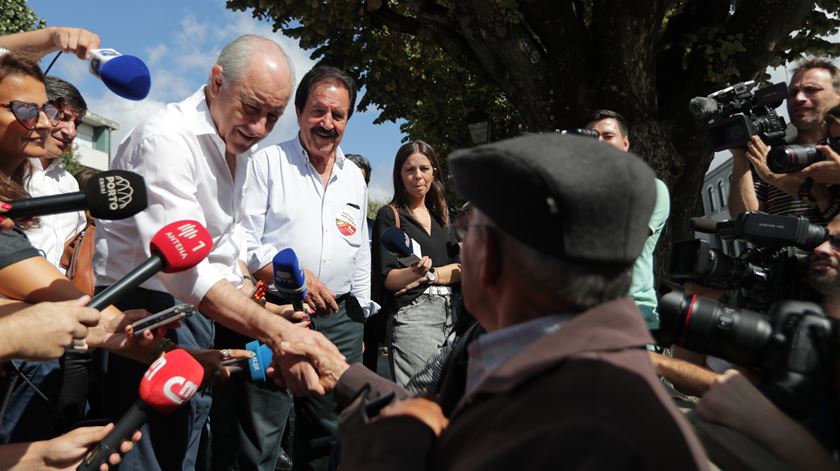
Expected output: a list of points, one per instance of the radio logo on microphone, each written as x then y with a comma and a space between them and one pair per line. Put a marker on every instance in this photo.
117, 190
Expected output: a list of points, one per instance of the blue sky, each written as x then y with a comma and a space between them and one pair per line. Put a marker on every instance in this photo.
179, 41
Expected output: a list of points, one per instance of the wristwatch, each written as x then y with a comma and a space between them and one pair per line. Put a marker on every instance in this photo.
431, 275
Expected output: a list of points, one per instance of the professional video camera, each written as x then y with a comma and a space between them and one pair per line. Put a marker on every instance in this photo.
774, 270
786, 159
735, 113
582, 132
793, 348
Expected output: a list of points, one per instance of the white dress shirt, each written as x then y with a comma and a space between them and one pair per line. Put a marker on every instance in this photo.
182, 158
56, 229
287, 206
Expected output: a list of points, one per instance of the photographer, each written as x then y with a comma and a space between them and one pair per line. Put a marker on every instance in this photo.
827, 171
813, 90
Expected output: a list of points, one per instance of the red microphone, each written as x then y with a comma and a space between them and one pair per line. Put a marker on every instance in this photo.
167, 385
179, 246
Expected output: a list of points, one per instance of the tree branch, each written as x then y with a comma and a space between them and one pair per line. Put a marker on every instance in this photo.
763, 24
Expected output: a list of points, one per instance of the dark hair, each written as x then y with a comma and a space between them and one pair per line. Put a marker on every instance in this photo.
324, 73
360, 162
819, 63
84, 175
435, 200
58, 88
12, 186
600, 115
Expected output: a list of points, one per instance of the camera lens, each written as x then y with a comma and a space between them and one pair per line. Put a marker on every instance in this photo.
705, 326
786, 159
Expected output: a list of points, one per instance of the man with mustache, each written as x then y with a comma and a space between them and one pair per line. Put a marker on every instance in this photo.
813, 90
304, 194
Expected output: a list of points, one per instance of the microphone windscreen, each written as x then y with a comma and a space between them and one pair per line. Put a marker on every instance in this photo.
704, 225
182, 245
397, 242
127, 76
701, 106
116, 194
260, 361
171, 381
288, 275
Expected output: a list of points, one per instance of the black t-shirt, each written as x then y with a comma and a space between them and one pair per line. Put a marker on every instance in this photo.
441, 246
14, 247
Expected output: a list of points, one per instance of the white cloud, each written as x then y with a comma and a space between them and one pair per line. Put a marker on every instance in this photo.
180, 64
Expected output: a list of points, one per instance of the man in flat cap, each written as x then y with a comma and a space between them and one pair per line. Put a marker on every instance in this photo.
562, 377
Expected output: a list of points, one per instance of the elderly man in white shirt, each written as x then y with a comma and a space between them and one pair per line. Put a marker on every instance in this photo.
305, 195
193, 156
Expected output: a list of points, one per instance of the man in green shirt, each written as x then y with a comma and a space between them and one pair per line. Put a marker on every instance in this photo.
612, 129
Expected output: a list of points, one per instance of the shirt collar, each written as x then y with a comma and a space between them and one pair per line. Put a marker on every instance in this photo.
299, 150
492, 349
37, 166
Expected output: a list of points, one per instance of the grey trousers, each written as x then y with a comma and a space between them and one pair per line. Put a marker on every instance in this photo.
417, 331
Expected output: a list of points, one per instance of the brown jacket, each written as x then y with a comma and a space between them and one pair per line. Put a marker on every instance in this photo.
583, 397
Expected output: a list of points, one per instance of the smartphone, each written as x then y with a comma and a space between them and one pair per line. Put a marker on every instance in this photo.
167, 316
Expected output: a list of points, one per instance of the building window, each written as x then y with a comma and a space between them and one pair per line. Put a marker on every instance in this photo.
711, 192
722, 193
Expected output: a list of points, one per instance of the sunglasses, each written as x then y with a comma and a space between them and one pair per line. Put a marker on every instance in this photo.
27, 114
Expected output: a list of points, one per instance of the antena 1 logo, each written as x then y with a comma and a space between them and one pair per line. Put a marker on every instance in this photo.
185, 231
118, 190
178, 389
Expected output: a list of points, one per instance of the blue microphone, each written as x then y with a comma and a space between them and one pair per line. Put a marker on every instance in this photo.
289, 279
400, 245
257, 364
127, 76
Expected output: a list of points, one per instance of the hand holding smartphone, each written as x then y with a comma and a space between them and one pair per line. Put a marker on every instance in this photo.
175, 313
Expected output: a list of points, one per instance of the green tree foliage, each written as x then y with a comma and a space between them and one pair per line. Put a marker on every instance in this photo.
539, 65
17, 16
70, 161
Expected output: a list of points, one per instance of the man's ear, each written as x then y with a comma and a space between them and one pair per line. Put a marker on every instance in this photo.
217, 79
625, 143
491, 266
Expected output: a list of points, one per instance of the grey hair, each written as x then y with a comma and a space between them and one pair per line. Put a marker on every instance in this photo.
236, 55
582, 285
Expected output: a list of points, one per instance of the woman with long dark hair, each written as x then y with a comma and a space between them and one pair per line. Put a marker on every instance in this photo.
420, 295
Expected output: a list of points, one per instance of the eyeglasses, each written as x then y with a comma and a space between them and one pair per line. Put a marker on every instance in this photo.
27, 114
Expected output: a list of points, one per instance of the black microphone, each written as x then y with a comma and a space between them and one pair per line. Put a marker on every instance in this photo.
113, 194
399, 244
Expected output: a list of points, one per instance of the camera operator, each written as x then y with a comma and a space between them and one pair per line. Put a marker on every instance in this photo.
612, 129
827, 171
813, 90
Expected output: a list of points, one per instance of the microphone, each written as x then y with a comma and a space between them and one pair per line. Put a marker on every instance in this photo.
704, 225
289, 279
113, 194
169, 382
256, 364
399, 244
701, 107
179, 246
127, 76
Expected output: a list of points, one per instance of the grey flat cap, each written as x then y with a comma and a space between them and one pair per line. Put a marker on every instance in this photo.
566, 196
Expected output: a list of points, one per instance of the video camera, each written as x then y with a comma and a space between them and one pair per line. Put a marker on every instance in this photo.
786, 159
774, 270
734, 113
793, 348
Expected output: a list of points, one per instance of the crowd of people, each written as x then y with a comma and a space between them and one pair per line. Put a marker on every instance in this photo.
518, 331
